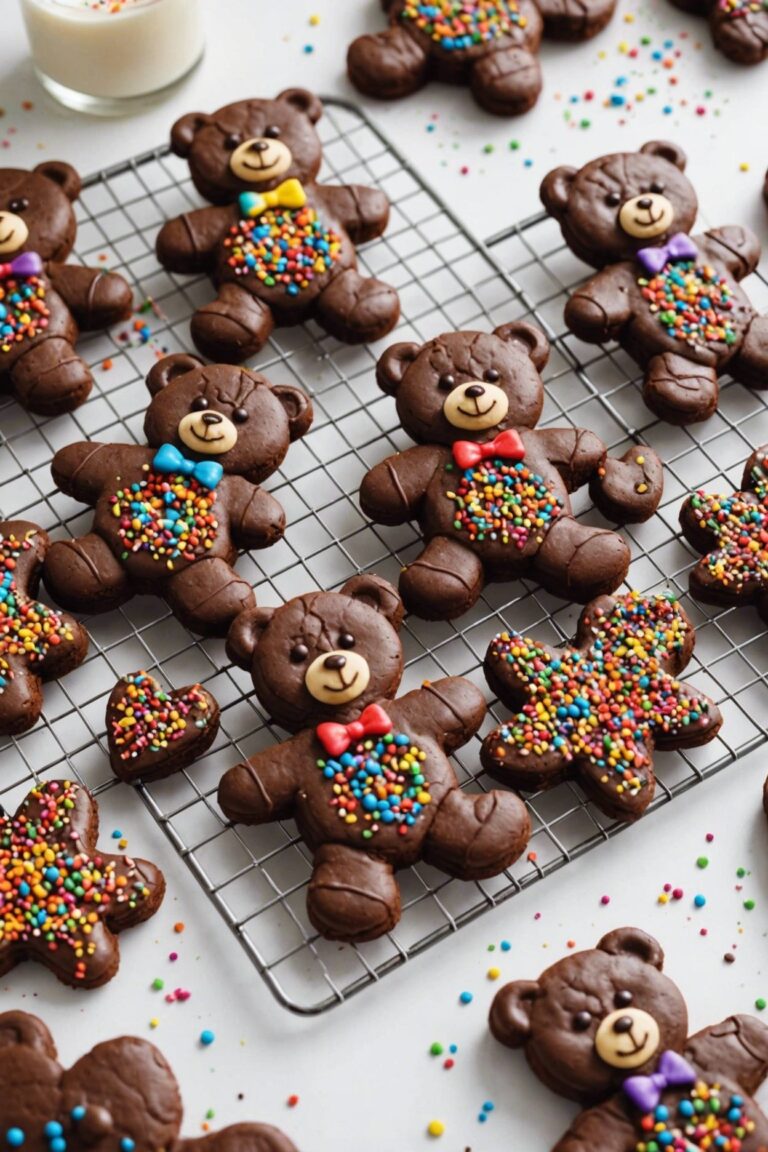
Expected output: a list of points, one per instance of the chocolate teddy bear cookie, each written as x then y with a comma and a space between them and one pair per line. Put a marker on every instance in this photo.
607, 1028
490, 490
62, 900
595, 710
279, 246
671, 300
367, 776
45, 302
170, 518
732, 532
152, 733
739, 27
36, 643
489, 45
122, 1095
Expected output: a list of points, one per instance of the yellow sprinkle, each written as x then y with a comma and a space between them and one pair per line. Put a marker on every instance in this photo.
314, 21
494, 973
154, 1022
436, 1128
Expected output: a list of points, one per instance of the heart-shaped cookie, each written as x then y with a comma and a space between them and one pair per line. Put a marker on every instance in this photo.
153, 733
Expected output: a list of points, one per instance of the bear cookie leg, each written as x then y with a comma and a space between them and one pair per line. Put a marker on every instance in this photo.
750, 366
678, 390
579, 561
233, 327
207, 597
50, 378
85, 576
352, 896
443, 582
507, 82
475, 836
356, 309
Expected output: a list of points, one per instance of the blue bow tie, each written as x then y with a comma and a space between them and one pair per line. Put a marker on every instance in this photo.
206, 472
680, 247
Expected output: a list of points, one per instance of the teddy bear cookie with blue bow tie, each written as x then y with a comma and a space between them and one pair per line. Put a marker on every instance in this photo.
607, 1028
171, 517
671, 300
279, 245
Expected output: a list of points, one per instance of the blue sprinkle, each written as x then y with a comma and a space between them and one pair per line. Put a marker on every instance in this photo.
207, 1037
466, 998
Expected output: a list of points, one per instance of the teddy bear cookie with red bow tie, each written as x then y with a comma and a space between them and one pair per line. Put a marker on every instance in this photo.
366, 775
671, 300
607, 1028
488, 488
170, 517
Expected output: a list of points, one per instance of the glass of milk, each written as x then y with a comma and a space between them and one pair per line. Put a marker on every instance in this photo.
112, 56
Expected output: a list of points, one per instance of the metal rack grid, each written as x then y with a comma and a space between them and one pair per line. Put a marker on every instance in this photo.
256, 877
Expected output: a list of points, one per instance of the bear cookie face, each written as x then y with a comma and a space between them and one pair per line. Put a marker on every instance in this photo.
44, 302
170, 518
366, 775
279, 246
489, 45
607, 1028
120, 1095
671, 300
490, 490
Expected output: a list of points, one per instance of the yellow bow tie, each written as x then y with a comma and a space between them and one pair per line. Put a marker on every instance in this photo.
289, 194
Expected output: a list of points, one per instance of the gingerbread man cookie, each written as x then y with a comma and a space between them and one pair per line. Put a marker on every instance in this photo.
595, 710
170, 518
36, 643
671, 300
44, 301
490, 490
119, 1097
62, 900
732, 531
607, 1028
367, 776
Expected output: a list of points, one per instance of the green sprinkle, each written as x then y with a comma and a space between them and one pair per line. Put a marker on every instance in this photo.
158, 984
436, 1049
760, 1003
210, 1114
702, 862
741, 872
749, 905
488, 148
514, 145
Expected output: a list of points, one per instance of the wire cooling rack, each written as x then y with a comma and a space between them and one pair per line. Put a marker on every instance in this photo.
257, 877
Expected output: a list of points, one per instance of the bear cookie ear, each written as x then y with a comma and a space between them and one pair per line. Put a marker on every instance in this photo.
530, 340
62, 174
510, 1016
184, 130
633, 942
19, 1028
377, 594
170, 368
298, 407
667, 151
393, 365
244, 634
303, 101
555, 190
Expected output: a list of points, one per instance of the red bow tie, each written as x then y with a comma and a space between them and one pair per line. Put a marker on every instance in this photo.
336, 738
507, 445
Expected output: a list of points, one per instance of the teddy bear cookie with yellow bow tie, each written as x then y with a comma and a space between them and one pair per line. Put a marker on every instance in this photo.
171, 516
279, 246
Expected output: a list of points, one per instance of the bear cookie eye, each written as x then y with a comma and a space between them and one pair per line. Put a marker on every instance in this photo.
581, 1021
199, 404
299, 653
623, 999
446, 382
657, 186
613, 199
346, 640
490, 376
272, 132
240, 415
232, 140
19, 205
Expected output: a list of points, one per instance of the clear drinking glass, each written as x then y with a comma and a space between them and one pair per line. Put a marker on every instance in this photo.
112, 56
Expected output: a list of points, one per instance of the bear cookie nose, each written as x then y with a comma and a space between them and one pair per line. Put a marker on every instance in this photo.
622, 1025
335, 662
211, 418
259, 145
645, 202
474, 391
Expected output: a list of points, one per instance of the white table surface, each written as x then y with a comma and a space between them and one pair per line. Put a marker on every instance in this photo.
362, 1072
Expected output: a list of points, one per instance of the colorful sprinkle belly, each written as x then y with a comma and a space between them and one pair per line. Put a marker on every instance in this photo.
706, 1118
460, 25
285, 249
694, 304
28, 629
168, 519
501, 503
24, 313
739, 9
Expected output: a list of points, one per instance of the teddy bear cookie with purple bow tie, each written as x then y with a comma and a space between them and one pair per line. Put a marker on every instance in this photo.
607, 1028
171, 517
488, 488
671, 300
44, 301
366, 775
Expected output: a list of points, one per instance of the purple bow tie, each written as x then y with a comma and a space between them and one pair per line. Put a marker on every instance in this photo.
27, 264
680, 247
672, 1072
